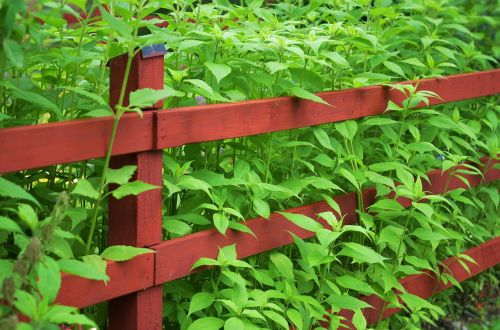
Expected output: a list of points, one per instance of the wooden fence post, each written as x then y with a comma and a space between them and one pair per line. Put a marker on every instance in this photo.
137, 220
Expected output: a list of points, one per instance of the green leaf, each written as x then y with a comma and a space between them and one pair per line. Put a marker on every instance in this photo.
415, 62
221, 222
261, 208
296, 318
336, 58
12, 190
416, 303
187, 44
387, 204
205, 262
348, 175
61, 315
203, 86
85, 189
277, 318
207, 323
392, 236
358, 320
192, 183
234, 323
241, 227
360, 253
304, 94
406, 178
379, 121
347, 129
118, 25
49, 279
146, 97
427, 235
35, 99
353, 283
95, 97
82, 269
25, 303
380, 179
220, 71
200, 301
418, 262
346, 302
446, 52
14, 53
120, 176
123, 252
308, 79
9, 225
274, 67
283, 264
302, 221
391, 281
395, 68
27, 215
323, 138
132, 188
176, 227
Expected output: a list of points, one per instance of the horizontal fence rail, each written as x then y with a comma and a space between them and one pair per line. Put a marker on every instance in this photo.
28, 147
427, 284
134, 290
174, 258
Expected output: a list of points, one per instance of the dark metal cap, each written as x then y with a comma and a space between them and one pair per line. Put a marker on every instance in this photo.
153, 51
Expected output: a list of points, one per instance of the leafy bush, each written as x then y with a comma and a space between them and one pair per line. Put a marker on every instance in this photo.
54, 219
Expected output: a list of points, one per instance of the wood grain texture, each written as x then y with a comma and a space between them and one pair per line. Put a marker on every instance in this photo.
28, 147
174, 258
126, 277
147, 307
137, 220
223, 121
427, 284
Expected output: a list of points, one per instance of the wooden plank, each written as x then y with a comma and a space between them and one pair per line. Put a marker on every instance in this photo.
28, 147
174, 258
223, 121
125, 277
427, 284
137, 220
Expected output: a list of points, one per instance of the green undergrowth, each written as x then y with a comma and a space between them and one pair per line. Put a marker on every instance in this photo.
55, 219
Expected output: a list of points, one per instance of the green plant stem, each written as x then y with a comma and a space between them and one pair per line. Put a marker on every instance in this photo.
109, 152
268, 161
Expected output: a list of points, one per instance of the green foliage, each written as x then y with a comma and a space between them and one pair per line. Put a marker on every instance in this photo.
222, 52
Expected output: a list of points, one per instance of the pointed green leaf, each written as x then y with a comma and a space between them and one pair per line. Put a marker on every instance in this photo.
123, 252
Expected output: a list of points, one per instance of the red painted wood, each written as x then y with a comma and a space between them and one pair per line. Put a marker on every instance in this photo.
128, 276
144, 73
36, 146
427, 284
28, 147
137, 220
147, 307
222, 121
175, 257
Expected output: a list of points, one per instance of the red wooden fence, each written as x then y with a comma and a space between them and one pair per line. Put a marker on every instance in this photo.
135, 287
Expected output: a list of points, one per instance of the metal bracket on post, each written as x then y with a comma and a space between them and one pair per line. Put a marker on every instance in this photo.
137, 220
